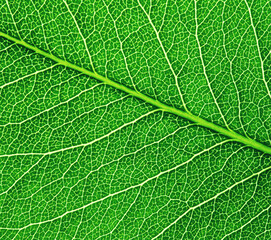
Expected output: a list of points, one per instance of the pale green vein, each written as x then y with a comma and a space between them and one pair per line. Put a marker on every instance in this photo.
27, 76
142, 184
211, 199
85, 144
251, 220
258, 48
187, 115
94, 170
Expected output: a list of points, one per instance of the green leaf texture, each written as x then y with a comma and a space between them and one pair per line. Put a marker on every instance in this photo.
135, 119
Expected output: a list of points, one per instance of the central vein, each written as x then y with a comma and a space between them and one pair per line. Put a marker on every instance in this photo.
200, 121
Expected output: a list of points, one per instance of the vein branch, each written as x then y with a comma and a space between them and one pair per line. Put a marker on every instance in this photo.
133, 187
80, 33
165, 54
214, 198
164, 107
258, 48
203, 65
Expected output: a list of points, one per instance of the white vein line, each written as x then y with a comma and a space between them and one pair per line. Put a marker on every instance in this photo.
258, 48
21, 154
78, 226
17, 60
85, 144
231, 74
140, 185
245, 202
13, 19
210, 11
145, 210
80, 33
267, 56
187, 225
8, 47
53, 107
164, 15
196, 188
29, 75
240, 228
217, 171
212, 198
18, 179
131, 205
42, 27
121, 43
82, 214
165, 53
92, 110
101, 166
33, 235
203, 65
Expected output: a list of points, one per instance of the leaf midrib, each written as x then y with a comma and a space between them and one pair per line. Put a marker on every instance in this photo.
187, 115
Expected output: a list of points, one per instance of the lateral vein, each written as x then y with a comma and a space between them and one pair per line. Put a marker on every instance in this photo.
187, 115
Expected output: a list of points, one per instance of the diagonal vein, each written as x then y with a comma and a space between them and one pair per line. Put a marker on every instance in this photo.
165, 54
142, 184
212, 198
121, 45
13, 20
29, 75
203, 65
164, 107
258, 48
248, 222
84, 144
80, 33
124, 190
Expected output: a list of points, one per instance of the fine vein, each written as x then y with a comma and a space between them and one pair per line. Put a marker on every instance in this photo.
187, 115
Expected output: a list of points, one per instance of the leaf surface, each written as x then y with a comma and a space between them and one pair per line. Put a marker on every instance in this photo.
135, 120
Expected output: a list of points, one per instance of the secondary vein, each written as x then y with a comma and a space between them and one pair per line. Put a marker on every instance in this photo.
187, 115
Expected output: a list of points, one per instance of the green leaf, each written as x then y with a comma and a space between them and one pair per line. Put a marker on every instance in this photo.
135, 119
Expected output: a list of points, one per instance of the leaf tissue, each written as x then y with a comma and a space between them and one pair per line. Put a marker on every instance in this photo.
135, 119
